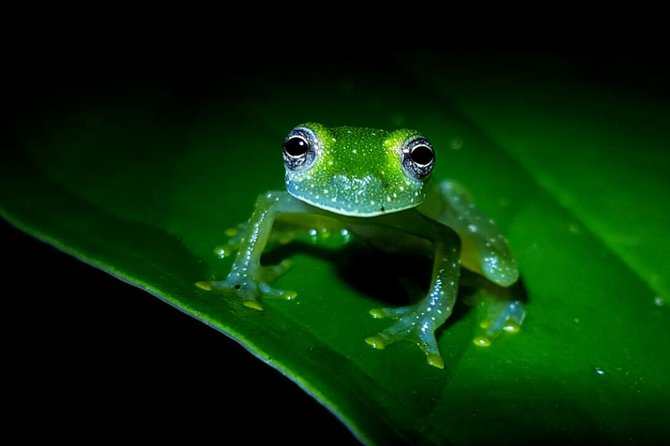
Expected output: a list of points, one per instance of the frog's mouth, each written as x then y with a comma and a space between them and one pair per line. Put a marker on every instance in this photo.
358, 197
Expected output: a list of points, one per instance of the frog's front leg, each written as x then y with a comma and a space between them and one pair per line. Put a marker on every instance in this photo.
248, 279
417, 323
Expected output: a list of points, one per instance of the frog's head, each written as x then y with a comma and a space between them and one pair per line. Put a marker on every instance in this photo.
357, 171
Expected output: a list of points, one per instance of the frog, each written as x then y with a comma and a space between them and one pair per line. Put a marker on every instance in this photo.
375, 185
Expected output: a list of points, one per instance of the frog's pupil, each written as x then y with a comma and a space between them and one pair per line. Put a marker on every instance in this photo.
422, 155
296, 146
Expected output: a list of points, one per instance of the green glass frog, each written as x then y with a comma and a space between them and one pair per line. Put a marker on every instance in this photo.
375, 185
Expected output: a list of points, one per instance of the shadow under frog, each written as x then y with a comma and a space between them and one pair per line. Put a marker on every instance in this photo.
366, 269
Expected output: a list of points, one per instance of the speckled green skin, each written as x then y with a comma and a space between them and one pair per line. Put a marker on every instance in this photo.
357, 173
357, 185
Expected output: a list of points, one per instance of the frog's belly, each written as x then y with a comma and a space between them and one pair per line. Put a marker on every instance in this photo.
392, 240
366, 230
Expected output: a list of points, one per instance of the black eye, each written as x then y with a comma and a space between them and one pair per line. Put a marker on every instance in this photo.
296, 146
300, 148
422, 155
418, 157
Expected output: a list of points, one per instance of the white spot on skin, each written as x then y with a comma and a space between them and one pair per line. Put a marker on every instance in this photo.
472, 228
334, 199
492, 263
658, 301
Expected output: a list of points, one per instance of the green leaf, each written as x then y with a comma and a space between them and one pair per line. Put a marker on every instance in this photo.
141, 181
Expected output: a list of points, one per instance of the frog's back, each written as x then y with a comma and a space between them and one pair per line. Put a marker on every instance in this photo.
485, 249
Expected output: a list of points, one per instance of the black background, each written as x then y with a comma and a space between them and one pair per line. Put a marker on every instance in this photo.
89, 357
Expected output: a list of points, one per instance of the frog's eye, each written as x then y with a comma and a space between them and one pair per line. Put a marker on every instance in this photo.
300, 147
418, 157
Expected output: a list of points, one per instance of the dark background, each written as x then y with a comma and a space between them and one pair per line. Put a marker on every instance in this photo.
87, 356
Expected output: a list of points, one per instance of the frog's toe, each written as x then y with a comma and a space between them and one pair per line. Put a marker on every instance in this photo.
204, 285
253, 304
275, 293
501, 317
410, 328
391, 312
270, 273
435, 360
507, 316
224, 251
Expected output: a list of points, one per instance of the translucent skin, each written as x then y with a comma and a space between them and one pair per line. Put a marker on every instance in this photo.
357, 184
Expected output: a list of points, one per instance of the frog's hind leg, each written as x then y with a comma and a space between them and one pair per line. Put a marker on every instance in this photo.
484, 248
417, 323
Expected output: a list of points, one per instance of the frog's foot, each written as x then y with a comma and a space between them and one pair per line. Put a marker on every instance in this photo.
249, 289
412, 325
501, 317
235, 238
